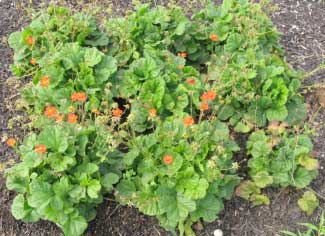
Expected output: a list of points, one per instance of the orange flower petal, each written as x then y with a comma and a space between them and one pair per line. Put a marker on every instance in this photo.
40, 148
168, 159
188, 121
11, 142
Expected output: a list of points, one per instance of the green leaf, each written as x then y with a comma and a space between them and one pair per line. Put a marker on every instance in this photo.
88, 168
260, 149
41, 194
246, 189
109, 179
71, 55
60, 162
92, 56
303, 177
21, 211
234, 42
180, 29
193, 187
309, 163
15, 40
55, 73
54, 138
93, 188
242, 128
226, 112
277, 113
78, 192
260, 199
225, 7
207, 208
74, 226
125, 190
289, 233
262, 179
18, 178
221, 131
37, 26
296, 111
148, 204
308, 203
105, 69
152, 92
62, 187
131, 156
184, 206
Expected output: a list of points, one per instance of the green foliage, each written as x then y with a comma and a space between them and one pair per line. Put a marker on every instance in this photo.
279, 158
61, 185
201, 172
147, 108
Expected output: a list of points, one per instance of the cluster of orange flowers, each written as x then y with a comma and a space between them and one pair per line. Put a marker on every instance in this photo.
79, 97
52, 112
208, 96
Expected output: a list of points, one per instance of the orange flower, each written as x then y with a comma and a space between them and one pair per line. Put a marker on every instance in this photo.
214, 37
191, 81
11, 142
182, 54
59, 118
45, 81
168, 159
51, 111
204, 106
32, 61
40, 148
30, 40
153, 112
72, 118
117, 112
210, 95
188, 121
79, 96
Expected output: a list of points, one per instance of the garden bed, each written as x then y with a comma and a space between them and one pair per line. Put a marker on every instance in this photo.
303, 28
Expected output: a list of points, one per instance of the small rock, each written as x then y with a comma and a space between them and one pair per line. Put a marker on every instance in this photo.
218, 232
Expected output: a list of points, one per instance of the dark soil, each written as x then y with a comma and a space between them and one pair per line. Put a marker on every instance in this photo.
303, 26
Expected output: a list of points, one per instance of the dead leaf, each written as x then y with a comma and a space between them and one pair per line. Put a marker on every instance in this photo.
320, 94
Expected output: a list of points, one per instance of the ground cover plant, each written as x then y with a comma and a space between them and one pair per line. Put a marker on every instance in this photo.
147, 108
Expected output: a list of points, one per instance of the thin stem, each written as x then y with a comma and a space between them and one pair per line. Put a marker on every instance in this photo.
313, 72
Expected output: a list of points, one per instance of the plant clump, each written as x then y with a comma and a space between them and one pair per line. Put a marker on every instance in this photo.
147, 109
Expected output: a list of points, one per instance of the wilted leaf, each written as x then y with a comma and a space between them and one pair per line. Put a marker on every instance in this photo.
308, 203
